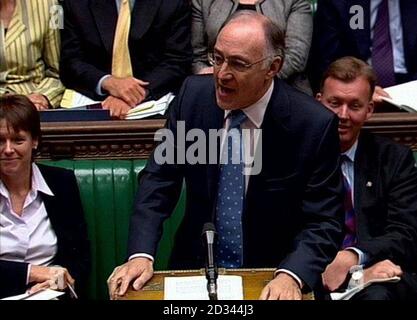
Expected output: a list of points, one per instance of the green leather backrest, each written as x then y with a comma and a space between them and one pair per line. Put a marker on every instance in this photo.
107, 189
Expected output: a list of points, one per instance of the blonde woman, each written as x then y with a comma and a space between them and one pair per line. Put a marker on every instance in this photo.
29, 51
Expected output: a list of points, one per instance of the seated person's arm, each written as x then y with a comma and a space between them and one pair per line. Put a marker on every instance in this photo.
298, 36
50, 87
199, 41
398, 240
336, 272
75, 71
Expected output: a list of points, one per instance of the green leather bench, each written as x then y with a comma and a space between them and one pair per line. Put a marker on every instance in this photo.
107, 190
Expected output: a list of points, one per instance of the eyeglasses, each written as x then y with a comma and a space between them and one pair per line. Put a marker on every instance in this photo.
217, 60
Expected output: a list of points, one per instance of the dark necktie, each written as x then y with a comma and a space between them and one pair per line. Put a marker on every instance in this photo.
350, 216
382, 56
230, 198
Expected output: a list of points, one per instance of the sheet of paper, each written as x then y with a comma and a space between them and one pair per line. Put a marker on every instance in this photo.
195, 288
74, 99
150, 108
346, 295
403, 95
47, 294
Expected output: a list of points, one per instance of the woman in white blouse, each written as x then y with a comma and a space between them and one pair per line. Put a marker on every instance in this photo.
43, 238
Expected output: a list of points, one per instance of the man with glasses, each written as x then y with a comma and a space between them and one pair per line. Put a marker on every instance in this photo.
288, 215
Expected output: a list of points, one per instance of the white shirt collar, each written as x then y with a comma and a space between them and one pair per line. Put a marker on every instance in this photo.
38, 181
38, 184
351, 152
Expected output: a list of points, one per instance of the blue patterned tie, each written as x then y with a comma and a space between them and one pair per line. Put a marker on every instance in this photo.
350, 216
382, 56
230, 198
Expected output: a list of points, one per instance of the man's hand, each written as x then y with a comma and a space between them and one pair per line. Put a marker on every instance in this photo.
118, 108
337, 271
39, 100
283, 287
381, 270
139, 270
131, 90
378, 94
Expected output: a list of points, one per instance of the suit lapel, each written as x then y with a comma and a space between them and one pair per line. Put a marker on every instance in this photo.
274, 133
16, 27
365, 172
142, 16
105, 15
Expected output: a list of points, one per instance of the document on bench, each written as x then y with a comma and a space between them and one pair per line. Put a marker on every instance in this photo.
346, 295
195, 288
47, 294
404, 96
150, 108
75, 100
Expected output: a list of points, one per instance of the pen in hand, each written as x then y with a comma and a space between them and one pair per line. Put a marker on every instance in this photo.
73, 294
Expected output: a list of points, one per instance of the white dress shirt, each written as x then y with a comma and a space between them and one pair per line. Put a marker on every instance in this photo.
348, 171
29, 237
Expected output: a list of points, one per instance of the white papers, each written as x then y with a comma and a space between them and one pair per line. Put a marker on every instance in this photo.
74, 99
346, 295
195, 288
47, 294
150, 108
403, 96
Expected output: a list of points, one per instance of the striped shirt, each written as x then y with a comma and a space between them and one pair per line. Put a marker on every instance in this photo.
29, 51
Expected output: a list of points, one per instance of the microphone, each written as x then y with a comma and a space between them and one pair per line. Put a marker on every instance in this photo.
209, 234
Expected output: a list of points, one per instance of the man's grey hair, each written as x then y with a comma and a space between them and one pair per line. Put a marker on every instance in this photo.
274, 36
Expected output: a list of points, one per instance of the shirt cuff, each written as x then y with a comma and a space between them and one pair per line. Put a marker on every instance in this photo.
292, 274
141, 255
362, 256
28, 273
98, 88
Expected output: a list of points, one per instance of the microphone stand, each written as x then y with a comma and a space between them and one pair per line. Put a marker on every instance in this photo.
208, 234
211, 276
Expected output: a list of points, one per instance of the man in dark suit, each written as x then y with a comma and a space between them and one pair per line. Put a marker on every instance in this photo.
159, 46
289, 213
383, 177
348, 27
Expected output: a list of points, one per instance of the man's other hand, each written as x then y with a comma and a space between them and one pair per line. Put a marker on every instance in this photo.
138, 270
283, 287
118, 108
381, 270
337, 271
131, 90
378, 94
